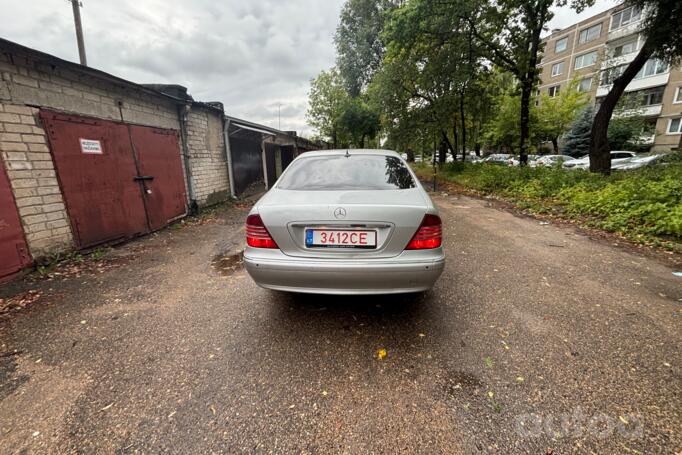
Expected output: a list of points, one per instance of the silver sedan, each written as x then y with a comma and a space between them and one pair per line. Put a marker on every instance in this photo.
345, 222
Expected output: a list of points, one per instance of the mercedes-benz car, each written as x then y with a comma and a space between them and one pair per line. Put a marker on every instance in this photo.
345, 222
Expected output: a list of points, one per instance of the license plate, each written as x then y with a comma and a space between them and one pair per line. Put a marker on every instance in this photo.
333, 238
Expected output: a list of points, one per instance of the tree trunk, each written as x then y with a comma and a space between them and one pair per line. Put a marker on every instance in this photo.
600, 152
464, 128
455, 137
477, 148
526, 89
555, 145
446, 140
442, 152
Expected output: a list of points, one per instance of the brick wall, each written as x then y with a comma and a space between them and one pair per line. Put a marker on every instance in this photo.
30, 81
31, 173
208, 165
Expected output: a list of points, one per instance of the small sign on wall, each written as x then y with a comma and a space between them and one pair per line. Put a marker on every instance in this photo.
91, 146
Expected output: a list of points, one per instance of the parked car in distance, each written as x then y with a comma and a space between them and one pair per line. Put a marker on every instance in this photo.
617, 156
638, 162
472, 158
498, 158
550, 160
345, 222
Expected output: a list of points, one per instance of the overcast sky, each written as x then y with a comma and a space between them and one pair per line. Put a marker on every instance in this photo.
249, 54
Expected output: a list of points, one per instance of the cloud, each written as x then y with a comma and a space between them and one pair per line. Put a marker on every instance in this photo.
251, 55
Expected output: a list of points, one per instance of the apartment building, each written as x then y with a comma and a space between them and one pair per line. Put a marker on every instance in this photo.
595, 51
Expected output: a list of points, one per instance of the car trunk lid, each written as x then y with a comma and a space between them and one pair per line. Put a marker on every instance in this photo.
394, 215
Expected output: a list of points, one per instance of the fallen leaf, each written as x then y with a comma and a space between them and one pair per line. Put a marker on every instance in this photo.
491, 394
520, 379
623, 419
381, 354
422, 335
324, 393
212, 409
107, 406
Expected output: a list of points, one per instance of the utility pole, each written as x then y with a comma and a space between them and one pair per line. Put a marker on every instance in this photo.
77, 5
279, 116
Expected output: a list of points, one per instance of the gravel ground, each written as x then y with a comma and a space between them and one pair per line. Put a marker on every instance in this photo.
536, 339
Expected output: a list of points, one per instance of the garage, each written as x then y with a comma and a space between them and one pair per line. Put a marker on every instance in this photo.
118, 180
13, 250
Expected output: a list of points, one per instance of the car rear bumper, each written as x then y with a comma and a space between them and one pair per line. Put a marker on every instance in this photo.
411, 271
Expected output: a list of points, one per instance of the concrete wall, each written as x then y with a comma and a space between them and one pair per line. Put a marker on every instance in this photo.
29, 81
208, 163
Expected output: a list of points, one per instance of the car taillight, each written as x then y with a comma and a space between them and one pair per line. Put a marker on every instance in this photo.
429, 234
257, 235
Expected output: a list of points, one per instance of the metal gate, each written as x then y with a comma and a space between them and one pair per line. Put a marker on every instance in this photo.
13, 251
161, 174
247, 162
108, 173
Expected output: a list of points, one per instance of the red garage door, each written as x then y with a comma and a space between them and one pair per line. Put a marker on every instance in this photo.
161, 167
110, 182
13, 252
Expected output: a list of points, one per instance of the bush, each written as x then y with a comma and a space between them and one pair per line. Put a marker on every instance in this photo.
640, 204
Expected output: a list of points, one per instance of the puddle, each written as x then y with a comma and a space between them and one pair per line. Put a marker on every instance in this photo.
227, 265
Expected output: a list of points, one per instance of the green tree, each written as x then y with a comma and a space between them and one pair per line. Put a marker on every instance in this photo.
358, 121
427, 76
359, 46
326, 101
502, 132
577, 140
662, 30
508, 31
556, 114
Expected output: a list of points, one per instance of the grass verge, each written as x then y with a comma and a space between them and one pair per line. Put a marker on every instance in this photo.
644, 206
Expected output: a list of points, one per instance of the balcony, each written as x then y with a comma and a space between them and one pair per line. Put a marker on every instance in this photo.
638, 84
626, 30
616, 61
644, 111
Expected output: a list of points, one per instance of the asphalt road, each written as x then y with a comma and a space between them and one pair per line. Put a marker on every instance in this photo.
536, 338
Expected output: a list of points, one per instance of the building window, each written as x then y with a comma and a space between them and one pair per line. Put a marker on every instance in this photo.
610, 74
626, 48
557, 69
561, 45
675, 125
553, 91
624, 17
585, 84
586, 60
651, 68
590, 33
678, 96
653, 96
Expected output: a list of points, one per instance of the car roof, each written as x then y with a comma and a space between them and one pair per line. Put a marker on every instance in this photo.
350, 152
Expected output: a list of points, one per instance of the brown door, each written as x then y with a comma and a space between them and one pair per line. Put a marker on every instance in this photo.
161, 176
13, 251
96, 170
118, 180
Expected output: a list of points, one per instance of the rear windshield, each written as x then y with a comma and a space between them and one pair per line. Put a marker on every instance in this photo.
354, 172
